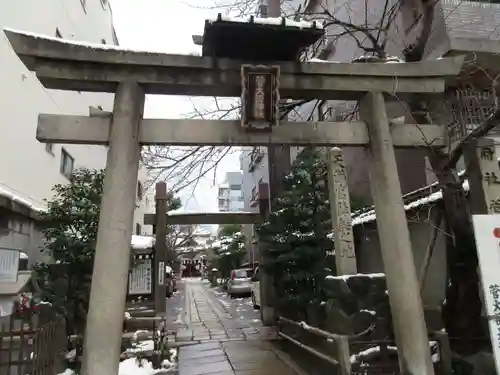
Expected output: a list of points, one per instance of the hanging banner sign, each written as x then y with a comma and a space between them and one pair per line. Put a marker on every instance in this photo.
487, 233
140, 279
9, 265
259, 97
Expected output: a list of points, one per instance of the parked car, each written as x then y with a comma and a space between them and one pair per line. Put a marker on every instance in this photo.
256, 289
240, 283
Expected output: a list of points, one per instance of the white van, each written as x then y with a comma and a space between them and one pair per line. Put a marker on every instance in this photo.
256, 289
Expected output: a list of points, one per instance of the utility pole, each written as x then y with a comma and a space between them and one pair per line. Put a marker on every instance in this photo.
160, 248
279, 164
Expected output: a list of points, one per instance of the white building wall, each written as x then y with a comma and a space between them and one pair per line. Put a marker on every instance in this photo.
27, 169
25, 166
230, 194
145, 203
251, 180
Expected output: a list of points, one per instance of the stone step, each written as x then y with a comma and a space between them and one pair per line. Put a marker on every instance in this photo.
141, 313
184, 334
144, 323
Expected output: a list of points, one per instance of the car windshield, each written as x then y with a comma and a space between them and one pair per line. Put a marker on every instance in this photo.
242, 274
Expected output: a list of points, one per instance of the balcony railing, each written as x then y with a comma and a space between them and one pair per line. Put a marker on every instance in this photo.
256, 157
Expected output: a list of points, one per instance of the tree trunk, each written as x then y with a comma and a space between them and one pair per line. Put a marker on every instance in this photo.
462, 308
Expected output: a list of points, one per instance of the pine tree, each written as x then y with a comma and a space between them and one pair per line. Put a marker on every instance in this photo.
295, 237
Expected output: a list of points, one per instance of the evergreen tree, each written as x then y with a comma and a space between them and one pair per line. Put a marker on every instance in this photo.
69, 227
230, 253
70, 231
295, 237
228, 230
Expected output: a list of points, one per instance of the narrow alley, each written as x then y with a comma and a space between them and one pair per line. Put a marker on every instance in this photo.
222, 335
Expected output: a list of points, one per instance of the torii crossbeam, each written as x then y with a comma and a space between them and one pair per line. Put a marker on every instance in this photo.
67, 65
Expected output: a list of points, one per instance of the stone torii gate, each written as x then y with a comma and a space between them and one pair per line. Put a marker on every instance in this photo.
67, 65
160, 219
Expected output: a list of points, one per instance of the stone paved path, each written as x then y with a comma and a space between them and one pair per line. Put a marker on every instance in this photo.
227, 346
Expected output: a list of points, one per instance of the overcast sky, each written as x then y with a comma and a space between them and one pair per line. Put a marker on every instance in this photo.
167, 26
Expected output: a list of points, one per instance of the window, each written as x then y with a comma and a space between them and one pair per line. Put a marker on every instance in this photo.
84, 5
23, 262
138, 229
67, 163
49, 147
235, 187
58, 33
139, 190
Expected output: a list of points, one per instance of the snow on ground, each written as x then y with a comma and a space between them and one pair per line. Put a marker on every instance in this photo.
142, 346
365, 354
346, 277
139, 333
132, 366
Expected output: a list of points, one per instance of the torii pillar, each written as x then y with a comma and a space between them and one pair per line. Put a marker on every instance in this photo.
112, 257
401, 276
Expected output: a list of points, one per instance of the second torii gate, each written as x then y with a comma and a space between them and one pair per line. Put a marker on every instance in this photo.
67, 65
160, 219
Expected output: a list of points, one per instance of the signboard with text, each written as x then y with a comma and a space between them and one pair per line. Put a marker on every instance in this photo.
161, 273
259, 97
140, 278
487, 233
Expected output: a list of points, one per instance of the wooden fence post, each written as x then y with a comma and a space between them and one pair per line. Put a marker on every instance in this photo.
444, 352
344, 356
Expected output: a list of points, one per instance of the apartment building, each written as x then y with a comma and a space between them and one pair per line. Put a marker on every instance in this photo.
29, 169
459, 27
230, 194
255, 169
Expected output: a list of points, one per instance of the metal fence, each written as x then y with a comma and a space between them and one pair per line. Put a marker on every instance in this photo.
32, 347
343, 351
